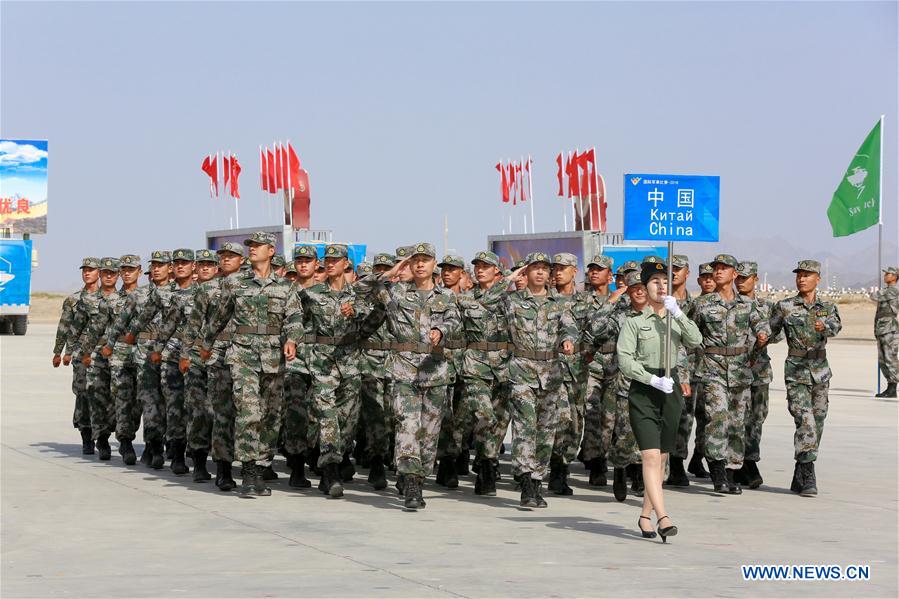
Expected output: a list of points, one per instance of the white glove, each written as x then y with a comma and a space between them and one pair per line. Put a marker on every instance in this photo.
671, 305
663, 383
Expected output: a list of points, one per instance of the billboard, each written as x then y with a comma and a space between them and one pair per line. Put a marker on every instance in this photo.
15, 276
23, 186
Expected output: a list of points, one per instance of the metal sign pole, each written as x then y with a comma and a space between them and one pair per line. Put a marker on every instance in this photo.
668, 316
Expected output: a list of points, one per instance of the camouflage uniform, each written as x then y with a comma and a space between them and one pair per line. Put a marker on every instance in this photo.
694, 405
264, 315
451, 442
886, 329
538, 325
420, 373
806, 371
729, 330
333, 362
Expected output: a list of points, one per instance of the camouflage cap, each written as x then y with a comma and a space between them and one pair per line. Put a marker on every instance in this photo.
129, 260
654, 260
183, 254
278, 261
384, 259
290, 268
725, 259
90, 262
706, 268
305, 251
809, 266
680, 261
538, 257
403, 252
632, 278
363, 269
336, 250
260, 237
892, 270
161, 256
520, 263
205, 255
487, 257
629, 266
110, 263
425, 249
601, 261
230, 246
747, 269
452, 260
564, 259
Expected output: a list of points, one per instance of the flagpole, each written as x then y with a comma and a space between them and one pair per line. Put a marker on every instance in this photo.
573, 198
531, 193
564, 209
231, 176
880, 231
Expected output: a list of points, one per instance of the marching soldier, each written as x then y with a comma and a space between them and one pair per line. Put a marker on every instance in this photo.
886, 330
81, 420
730, 325
807, 322
706, 282
267, 321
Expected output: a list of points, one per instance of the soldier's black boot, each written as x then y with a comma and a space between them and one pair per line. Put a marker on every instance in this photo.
719, 477
103, 448
485, 484
440, 479
538, 493
87, 442
733, 487
676, 475
223, 479
796, 484
312, 460
890, 391
752, 475
324, 483
298, 478
462, 467
597, 468
495, 463
696, 468
528, 494
555, 475
422, 504
563, 477
410, 493
158, 452
248, 482
268, 473
451, 479
169, 450
146, 456
377, 473
260, 489
201, 474
335, 485
809, 482
637, 479
619, 484
400, 484
126, 450
179, 466
347, 470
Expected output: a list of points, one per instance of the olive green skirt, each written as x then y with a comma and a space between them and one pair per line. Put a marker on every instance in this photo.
655, 416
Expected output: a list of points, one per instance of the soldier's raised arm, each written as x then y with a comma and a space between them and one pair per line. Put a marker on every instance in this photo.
62, 329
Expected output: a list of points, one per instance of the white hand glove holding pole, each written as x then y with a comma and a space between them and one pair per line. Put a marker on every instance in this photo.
663, 383
671, 305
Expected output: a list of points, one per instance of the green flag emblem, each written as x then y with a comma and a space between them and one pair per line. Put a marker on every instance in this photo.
856, 202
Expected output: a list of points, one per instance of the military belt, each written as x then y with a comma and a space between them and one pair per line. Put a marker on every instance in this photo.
336, 341
607, 348
489, 346
121, 339
258, 330
725, 351
535, 354
808, 354
417, 348
381, 345
454, 345
308, 338
146, 335
223, 337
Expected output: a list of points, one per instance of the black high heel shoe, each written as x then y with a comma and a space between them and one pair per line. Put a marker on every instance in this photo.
668, 531
646, 535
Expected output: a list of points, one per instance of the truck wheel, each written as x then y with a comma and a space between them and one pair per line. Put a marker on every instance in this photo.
20, 325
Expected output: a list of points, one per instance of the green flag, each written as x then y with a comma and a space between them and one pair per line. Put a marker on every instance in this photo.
856, 202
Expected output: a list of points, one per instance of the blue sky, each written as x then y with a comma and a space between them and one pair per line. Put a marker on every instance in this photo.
400, 112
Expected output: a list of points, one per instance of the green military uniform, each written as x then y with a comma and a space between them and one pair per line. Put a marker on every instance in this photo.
264, 315
886, 332
729, 329
806, 373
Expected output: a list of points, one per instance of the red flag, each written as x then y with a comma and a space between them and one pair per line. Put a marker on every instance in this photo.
571, 170
263, 170
600, 199
285, 175
271, 170
301, 200
584, 164
293, 164
279, 182
210, 167
520, 182
504, 182
527, 167
226, 171
235, 173
559, 175
512, 184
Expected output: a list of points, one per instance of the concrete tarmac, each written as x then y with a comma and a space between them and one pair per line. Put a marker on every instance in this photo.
76, 527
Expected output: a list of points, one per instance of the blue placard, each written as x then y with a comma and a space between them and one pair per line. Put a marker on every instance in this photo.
15, 272
671, 207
